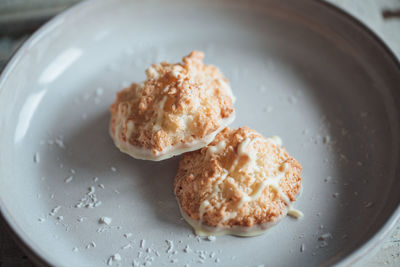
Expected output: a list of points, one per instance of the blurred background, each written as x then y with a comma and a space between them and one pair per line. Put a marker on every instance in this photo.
20, 18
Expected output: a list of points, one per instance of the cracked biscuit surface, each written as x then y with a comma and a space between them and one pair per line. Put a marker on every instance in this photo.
240, 184
178, 108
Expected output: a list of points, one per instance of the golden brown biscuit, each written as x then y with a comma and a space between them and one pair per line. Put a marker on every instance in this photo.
178, 108
240, 184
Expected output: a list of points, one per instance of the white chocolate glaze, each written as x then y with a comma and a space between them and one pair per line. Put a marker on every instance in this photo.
160, 113
204, 230
147, 154
218, 148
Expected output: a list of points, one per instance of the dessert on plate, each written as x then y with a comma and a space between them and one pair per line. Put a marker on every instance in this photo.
178, 108
241, 184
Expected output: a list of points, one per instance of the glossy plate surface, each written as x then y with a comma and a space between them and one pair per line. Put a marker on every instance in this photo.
301, 70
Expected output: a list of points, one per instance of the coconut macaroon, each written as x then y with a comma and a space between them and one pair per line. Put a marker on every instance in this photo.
178, 108
240, 184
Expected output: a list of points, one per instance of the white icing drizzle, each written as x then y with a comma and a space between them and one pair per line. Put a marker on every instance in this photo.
244, 149
295, 213
216, 149
214, 193
243, 146
267, 181
270, 181
276, 140
130, 127
160, 112
241, 151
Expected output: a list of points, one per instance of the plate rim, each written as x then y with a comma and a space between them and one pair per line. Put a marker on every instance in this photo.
40, 258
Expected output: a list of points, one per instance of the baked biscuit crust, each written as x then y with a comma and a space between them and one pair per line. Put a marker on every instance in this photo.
178, 108
240, 184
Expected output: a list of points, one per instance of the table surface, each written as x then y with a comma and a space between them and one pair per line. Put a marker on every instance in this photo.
383, 17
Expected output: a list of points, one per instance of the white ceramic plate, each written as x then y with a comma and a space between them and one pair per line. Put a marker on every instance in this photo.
302, 70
